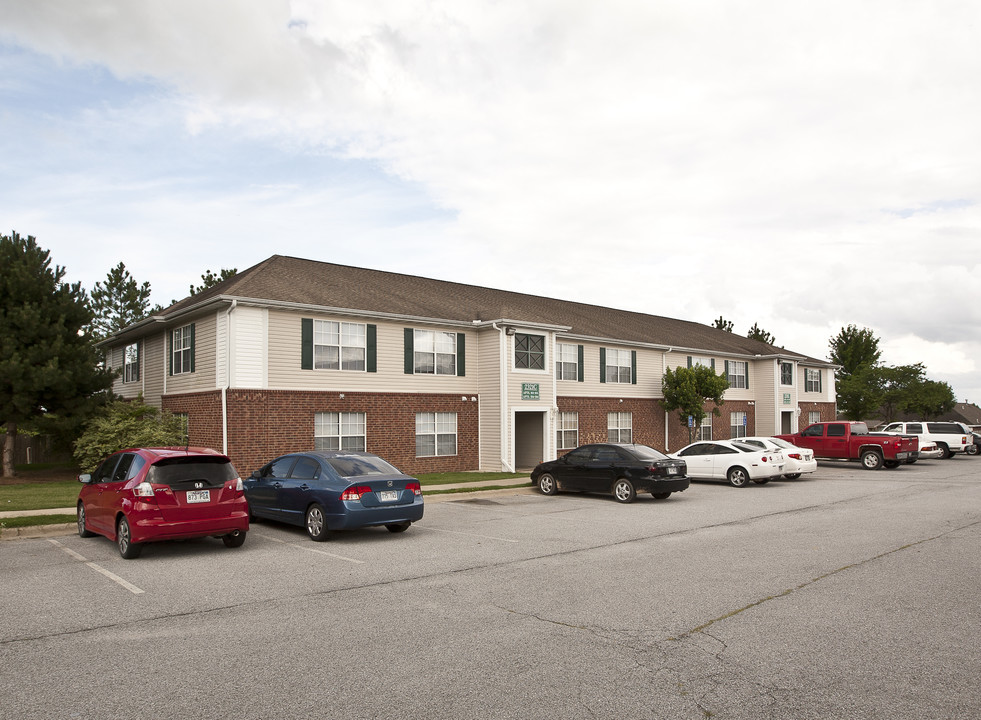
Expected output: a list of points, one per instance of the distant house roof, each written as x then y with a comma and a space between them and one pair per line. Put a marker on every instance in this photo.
967, 413
310, 283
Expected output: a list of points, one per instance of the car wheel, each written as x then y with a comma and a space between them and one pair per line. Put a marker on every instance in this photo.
234, 540
945, 453
398, 527
124, 540
792, 476
623, 491
871, 460
660, 495
971, 449
547, 484
82, 530
737, 477
316, 524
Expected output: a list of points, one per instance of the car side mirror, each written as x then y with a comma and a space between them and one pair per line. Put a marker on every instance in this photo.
256, 475
86, 478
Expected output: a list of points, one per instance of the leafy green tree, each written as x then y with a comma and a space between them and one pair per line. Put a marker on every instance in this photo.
860, 394
855, 348
898, 384
118, 302
48, 364
689, 389
722, 324
931, 399
210, 279
124, 424
757, 333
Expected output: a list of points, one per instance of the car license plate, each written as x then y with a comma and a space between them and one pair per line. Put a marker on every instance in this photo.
198, 496
672, 470
388, 495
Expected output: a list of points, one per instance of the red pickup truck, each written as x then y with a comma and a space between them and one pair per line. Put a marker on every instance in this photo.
844, 440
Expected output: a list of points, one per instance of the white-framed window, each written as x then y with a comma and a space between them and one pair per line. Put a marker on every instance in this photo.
814, 416
339, 345
434, 352
619, 427
705, 430
435, 434
566, 361
567, 430
131, 363
786, 373
812, 380
182, 350
618, 366
339, 431
738, 424
707, 362
738, 374
529, 352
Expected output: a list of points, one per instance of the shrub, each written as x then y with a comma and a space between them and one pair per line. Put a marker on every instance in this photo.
126, 424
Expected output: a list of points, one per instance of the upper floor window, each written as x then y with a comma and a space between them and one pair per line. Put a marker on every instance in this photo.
339, 345
529, 352
737, 373
812, 380
434, 352
707, 362
182, 350
568, 363
619, 366
786, 373
131, 363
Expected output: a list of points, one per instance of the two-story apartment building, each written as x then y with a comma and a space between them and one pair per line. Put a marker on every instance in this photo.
295, 354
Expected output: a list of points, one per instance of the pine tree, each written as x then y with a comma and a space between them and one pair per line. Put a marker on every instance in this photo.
118, 302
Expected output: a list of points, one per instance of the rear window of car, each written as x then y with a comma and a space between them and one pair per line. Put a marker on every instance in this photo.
944, 429
643, 452
175, 471
361, 465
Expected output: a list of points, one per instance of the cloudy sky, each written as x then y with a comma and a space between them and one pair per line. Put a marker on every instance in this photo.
799, 165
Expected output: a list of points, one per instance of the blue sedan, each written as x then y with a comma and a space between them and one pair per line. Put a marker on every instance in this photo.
325, 491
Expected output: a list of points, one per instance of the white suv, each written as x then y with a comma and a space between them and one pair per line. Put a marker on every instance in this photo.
949, 436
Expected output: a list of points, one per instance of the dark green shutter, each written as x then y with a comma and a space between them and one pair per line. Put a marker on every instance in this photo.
712, 361
633, 367
371, 359
582, 375
602, 365
192, 347
820, 380
689, 362
306, 344
169, 349
139, 359
461, 354
747, 375
410, 366
727, 369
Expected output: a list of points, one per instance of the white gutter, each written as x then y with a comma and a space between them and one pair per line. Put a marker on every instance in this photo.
502, 358
228, 377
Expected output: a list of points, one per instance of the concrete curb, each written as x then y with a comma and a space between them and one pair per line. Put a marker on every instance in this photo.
38, 531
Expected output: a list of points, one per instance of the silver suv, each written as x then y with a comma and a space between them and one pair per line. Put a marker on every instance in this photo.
949, 436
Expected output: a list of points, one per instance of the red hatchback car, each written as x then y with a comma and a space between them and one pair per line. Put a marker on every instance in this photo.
143, 495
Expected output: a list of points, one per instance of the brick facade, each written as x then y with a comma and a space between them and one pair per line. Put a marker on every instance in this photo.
263, 424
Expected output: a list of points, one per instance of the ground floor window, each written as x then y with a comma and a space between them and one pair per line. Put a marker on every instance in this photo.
619, 427
567, 431
738, 424
435, 434
814, 416
339, 431
705, 431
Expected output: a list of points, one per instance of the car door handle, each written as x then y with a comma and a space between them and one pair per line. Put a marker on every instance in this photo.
304, 486
277, 485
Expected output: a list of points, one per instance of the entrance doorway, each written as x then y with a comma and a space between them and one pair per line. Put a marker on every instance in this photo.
787, 423
529, 439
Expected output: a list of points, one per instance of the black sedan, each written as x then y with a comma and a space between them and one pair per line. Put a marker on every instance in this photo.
623, 470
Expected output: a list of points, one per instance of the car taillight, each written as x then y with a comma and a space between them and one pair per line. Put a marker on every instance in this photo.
143, 490
763, 458
415, 487
355, 492
795, 456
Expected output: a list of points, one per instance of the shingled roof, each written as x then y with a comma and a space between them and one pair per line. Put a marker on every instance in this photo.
297, 281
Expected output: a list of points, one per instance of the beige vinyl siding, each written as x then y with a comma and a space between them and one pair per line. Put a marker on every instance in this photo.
154, 367
764, 384
285, 372
650, 372
489, 388
248, 350
204, 376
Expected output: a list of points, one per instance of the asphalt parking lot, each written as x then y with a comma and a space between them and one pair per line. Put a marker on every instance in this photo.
849, 594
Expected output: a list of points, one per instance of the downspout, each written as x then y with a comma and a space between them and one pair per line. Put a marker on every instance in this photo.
502, 358
667, 415
228, 377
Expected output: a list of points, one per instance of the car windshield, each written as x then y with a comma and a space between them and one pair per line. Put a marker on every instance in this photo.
360, 465
173, 471
781, 443
643, 452
745, 447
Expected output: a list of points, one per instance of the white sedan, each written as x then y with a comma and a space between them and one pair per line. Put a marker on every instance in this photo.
734, 461
799, 460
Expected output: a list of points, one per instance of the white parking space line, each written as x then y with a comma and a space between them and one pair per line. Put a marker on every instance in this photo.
98, 568
310, 549
476, 535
